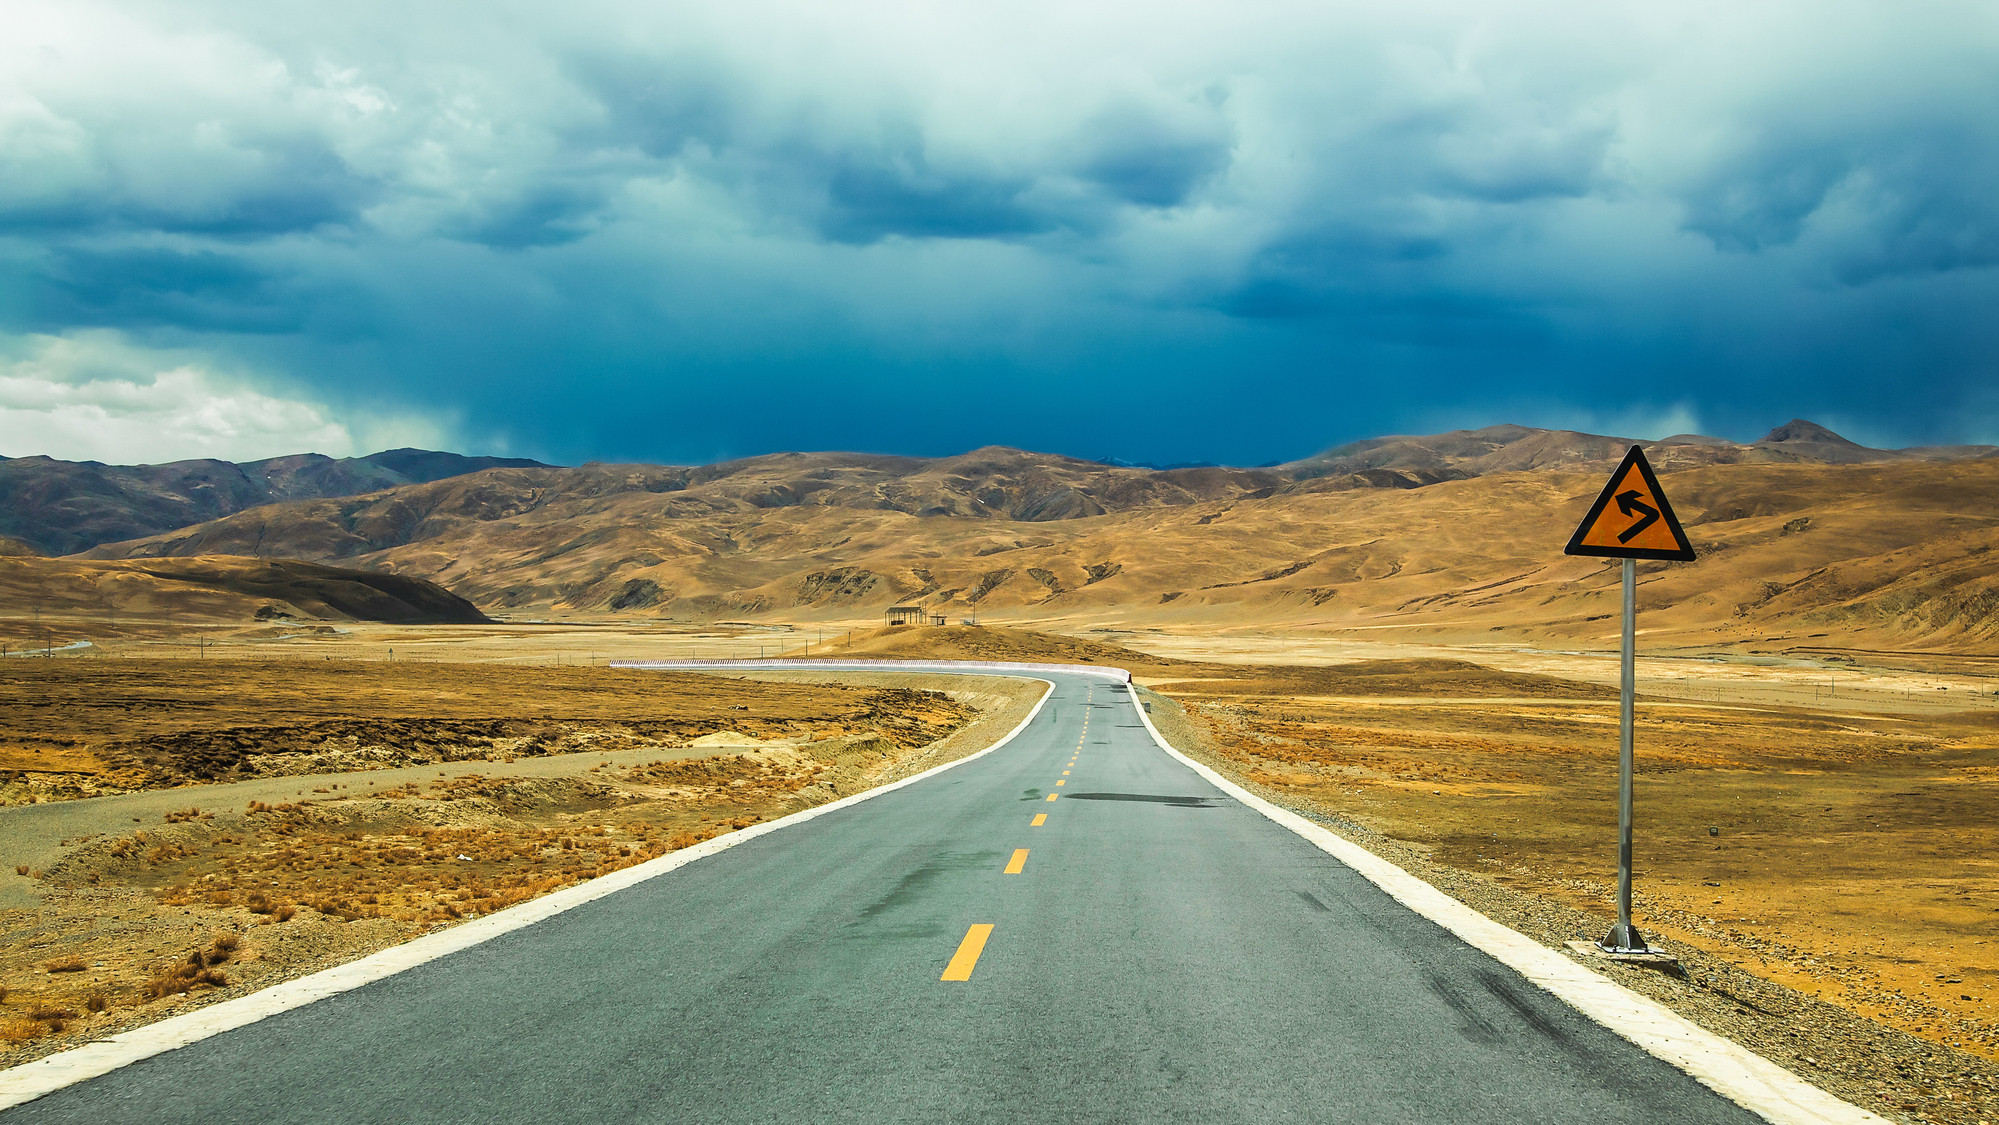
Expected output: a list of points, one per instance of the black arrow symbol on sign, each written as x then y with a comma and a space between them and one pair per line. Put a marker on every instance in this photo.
1629, 502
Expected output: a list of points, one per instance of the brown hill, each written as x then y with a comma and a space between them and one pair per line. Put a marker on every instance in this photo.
1893, 552
994, 484
61, 592
62, 507
1499, 449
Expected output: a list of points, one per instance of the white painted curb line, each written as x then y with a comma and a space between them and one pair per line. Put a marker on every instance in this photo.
29, 1081
1729, 1069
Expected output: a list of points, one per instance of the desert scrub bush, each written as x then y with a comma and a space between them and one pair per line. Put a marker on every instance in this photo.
70, 964
97, 1002
339, 908
257, 902
20, 869
183, 976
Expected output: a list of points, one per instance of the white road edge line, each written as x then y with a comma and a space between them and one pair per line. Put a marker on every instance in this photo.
32, 1080
1728, 1068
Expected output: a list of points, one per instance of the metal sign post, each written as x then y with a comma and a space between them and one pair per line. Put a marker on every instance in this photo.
1630, 520
1623, 936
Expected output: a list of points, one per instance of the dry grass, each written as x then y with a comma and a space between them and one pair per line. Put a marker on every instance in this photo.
316, 865
142, 724
185, 976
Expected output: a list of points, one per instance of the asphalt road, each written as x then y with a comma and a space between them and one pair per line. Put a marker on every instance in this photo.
1159, 953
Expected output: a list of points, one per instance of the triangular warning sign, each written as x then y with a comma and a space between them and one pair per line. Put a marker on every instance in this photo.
1632, 519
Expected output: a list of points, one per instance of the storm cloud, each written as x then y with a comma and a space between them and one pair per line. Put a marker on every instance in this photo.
681, 231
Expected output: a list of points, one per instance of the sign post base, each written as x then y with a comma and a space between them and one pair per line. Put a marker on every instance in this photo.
1650, 958
1624, 938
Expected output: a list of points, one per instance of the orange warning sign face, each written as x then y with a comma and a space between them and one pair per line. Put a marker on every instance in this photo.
1631, 519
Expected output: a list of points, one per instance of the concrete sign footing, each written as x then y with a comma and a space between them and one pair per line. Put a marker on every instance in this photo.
1652, 958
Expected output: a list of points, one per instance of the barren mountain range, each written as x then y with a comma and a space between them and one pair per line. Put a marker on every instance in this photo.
58, 507
62, 507
1800, 533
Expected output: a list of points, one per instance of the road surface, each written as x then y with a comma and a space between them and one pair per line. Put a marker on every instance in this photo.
1139, 948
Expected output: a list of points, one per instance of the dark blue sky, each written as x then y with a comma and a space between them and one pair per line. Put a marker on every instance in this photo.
682, 232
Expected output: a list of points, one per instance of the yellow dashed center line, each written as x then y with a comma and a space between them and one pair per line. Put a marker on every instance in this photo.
1065, 773
1061, 783
967, 956
1019, 860
1039, 820
1052, 796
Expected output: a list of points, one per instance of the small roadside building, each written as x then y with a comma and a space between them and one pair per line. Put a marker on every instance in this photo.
905, 615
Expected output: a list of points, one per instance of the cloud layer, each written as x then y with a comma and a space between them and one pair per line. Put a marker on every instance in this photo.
94, 397
689, 230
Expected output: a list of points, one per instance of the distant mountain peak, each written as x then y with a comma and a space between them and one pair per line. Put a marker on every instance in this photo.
421, 466
1158, 466
1797, 429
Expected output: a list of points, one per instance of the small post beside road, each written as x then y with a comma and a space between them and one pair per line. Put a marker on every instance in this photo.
1630, 520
